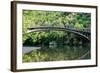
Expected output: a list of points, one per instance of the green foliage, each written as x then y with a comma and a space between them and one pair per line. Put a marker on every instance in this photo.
35, 18
36, 38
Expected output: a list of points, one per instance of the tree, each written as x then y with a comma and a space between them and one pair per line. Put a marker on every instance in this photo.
35, 18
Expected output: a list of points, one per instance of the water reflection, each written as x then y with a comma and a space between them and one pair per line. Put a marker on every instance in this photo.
54, 52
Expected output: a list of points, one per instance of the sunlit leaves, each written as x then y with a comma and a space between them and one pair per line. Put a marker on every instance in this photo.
35, 18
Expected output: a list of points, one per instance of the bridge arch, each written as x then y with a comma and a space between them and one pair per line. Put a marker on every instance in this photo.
41, 29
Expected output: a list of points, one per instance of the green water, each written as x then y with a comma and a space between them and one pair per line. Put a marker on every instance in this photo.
59, 53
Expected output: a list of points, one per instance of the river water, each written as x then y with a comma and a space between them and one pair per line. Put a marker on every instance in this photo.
72, 51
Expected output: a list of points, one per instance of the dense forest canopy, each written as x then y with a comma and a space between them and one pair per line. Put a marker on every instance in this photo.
35, 18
